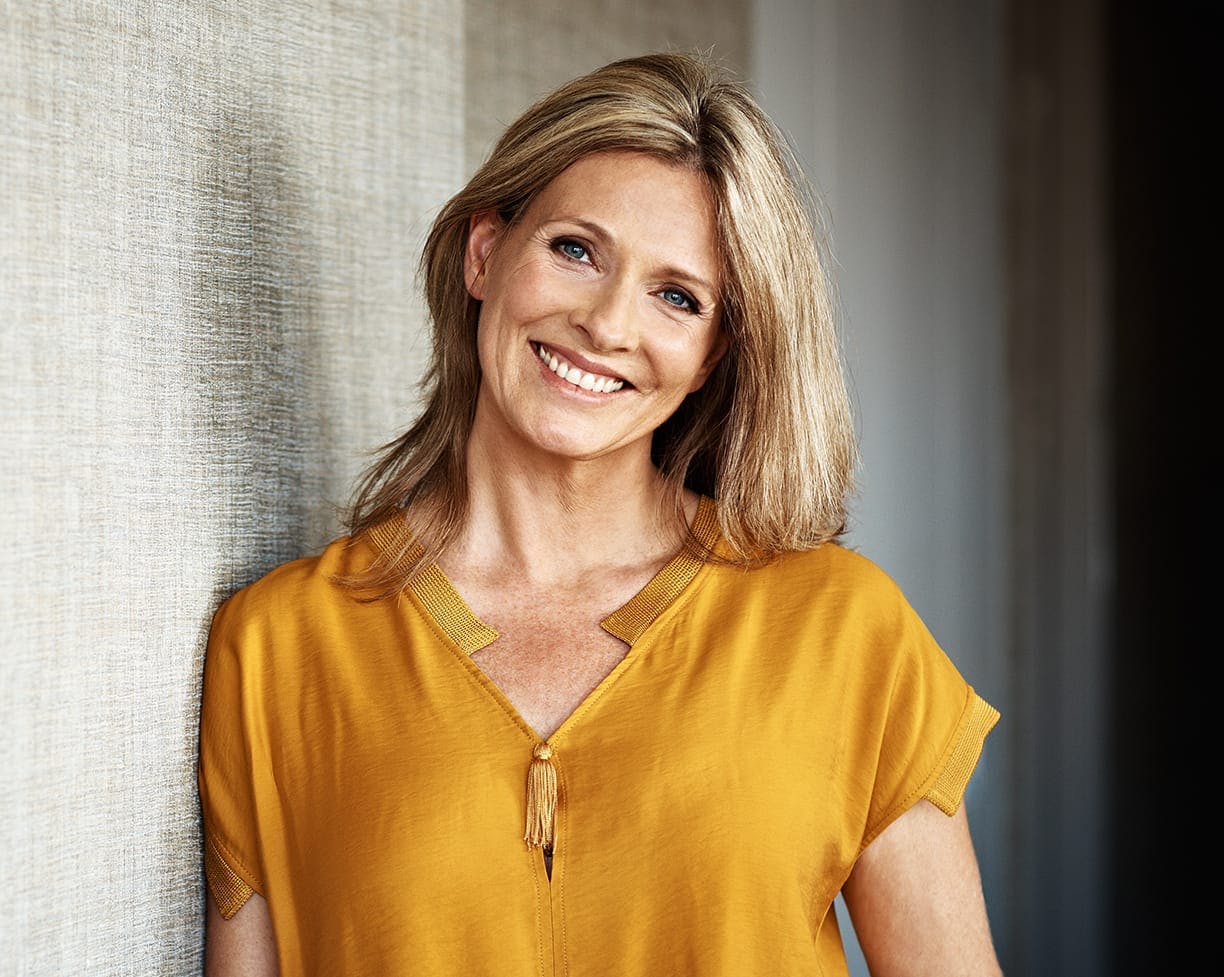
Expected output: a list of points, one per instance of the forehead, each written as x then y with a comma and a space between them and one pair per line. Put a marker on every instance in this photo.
637, 199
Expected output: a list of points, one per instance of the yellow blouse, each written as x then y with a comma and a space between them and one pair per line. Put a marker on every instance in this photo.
362, 773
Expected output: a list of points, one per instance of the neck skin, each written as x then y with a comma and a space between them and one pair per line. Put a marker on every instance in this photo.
553, 522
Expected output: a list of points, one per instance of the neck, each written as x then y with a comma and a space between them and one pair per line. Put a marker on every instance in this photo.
557, 519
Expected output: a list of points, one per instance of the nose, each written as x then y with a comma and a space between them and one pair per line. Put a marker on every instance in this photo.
608, 316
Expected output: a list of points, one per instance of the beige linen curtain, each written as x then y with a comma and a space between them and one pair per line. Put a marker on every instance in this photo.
209, 218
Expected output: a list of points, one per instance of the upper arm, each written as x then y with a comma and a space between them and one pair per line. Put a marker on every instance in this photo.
915, 899
241, 946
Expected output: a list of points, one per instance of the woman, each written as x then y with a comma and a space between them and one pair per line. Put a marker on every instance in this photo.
590, 687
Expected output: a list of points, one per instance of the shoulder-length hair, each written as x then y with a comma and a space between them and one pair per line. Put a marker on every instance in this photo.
769, 436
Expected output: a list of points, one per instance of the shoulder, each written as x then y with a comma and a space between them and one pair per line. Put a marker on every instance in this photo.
294, 593
834, 608
832, 577
289, 630
840, 565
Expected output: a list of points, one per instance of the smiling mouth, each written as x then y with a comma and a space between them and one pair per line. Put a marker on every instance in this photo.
594, 382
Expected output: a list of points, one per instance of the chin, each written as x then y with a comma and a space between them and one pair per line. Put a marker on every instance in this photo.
563, 442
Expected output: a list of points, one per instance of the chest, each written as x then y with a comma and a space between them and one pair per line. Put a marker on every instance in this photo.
680, 791
546, 663
550, 652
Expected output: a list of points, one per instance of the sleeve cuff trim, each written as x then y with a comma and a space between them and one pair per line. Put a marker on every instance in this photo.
227, 887
948, 787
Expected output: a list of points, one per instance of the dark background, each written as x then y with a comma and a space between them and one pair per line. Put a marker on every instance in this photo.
1163, 114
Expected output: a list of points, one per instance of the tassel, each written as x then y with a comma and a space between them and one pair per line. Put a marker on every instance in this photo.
541, 798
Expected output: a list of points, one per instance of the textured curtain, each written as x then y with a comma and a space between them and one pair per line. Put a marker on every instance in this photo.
210, 214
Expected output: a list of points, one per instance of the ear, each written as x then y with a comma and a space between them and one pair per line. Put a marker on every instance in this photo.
717, 351
483, 232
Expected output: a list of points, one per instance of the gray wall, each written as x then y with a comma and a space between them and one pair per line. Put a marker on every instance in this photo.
896, 109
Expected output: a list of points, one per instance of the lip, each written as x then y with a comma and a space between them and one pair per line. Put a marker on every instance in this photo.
570, 390
574, 358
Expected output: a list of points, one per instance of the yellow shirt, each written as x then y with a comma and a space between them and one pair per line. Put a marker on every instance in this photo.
363, 774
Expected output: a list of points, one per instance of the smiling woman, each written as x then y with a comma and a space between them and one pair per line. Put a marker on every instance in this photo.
590, 685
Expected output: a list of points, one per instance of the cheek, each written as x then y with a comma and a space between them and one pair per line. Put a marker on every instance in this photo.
688, 363
509, 317
524, 297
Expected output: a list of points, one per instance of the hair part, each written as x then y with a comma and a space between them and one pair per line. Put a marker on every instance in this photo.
769, 435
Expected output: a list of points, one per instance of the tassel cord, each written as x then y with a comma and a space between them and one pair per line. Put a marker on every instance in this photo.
540, 830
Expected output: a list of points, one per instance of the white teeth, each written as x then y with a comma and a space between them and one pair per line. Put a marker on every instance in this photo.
579, 378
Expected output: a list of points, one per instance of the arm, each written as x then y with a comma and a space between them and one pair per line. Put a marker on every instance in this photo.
241, 946
915, 899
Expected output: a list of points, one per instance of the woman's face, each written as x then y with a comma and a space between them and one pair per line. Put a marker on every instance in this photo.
600, 307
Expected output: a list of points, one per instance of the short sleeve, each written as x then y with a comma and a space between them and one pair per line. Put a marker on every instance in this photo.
227, 770
929, 725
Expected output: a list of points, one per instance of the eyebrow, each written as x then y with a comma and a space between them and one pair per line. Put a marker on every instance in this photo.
668, 271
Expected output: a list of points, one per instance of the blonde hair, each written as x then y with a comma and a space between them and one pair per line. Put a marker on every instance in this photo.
769, 435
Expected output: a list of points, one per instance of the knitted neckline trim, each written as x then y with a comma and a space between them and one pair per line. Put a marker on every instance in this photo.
452, 613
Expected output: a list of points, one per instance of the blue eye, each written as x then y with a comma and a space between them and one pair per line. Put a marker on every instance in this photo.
571, 249
679, 299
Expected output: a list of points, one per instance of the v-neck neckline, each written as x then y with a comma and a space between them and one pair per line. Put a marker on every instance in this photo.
453, 615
